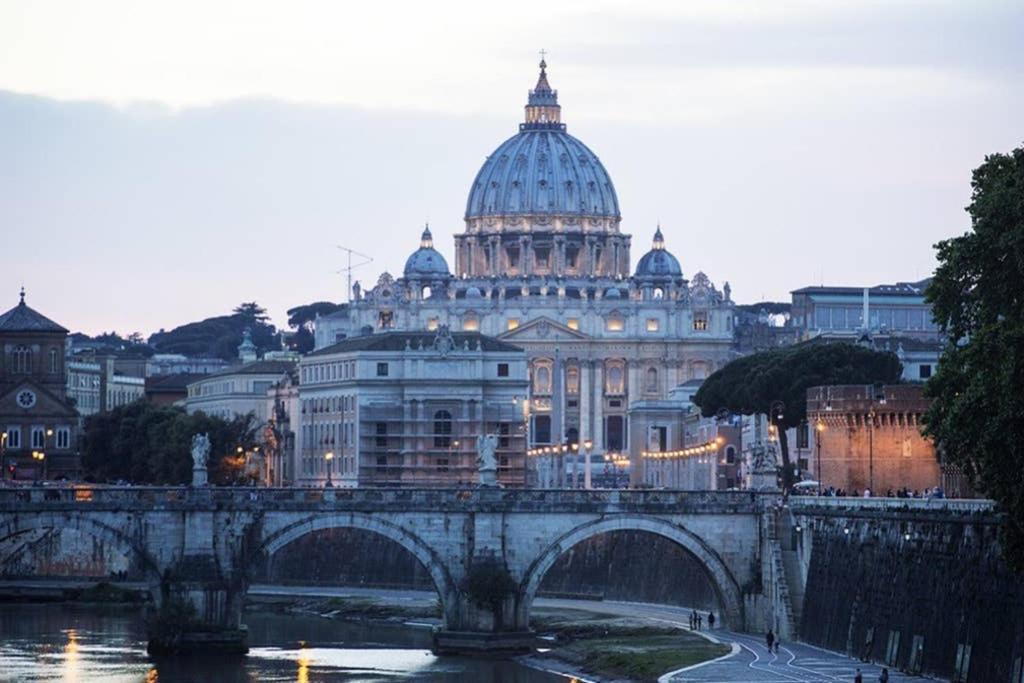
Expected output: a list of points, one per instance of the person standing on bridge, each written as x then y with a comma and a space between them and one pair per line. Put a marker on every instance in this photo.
711, 619
769, 639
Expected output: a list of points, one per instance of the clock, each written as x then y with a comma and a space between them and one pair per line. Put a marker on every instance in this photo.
26, 399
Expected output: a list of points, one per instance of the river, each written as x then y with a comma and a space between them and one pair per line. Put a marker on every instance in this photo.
75, 644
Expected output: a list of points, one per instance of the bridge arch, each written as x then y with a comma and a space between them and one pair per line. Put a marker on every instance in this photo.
725, 586
428, 557
17, 525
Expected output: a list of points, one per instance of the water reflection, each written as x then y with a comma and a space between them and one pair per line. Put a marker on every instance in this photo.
65, 643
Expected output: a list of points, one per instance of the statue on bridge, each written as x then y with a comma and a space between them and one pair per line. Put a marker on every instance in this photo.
200, 456
486, 463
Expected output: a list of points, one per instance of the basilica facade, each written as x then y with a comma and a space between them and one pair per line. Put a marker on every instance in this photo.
543, 264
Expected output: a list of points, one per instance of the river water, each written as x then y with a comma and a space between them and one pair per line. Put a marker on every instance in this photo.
78, 644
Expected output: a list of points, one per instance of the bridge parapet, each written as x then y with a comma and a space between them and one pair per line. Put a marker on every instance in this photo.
875, 507
383, 500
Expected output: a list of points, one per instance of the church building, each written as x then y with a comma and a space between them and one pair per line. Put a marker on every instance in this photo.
39, 437
543, 264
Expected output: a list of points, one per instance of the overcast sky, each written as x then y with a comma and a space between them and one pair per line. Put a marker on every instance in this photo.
162, 162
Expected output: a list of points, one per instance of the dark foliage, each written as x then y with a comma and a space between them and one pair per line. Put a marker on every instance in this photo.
147, 444
977, 413
219, 337
754, 383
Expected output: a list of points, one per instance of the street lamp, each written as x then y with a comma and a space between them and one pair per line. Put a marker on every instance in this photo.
587, 466
40, 457
871, 451
819, 427
329, 457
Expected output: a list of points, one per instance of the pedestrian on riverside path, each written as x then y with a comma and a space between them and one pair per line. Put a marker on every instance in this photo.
693, 622
711, 619
884, 676
858, 678
700, 621
778, 642
770, 639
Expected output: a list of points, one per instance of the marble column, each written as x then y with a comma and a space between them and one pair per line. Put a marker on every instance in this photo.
585, 401
598, 423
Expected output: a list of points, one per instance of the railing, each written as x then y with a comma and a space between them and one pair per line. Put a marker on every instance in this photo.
396, 499
892, 504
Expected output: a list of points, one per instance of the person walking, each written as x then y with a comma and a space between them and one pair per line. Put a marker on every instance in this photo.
693, 621
769, 638
858, 678
700, 621
884, 676
711, 619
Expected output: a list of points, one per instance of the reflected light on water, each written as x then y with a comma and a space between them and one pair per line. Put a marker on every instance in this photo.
303, 659
152, 676
71, 659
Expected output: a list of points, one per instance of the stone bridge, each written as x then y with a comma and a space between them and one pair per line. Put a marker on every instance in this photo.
203, 545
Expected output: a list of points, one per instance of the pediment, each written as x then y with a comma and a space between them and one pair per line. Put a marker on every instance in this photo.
46, 403
542, 329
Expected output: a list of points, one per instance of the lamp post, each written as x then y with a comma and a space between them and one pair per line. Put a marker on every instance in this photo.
819, 428
329, 457
40, 457
587, 466
871, 451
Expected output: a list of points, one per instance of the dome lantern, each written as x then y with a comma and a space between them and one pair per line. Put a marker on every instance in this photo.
542, 108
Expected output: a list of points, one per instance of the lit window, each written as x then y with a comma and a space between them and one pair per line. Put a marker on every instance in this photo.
572, 380
615, 323
573, 323
653, 324
700, 321
470, 323
432, 324
512, 323
615, 380
542, 379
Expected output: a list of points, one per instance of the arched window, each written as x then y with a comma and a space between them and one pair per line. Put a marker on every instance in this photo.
730, 455
21, 359
425, 292
542, 379
615, 385
658, 293
572, 380
442, 429
651, 383
53, 361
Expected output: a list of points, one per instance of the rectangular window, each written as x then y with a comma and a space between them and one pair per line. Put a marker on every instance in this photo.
431, 324
502, 369
614, 324
700, 321
512, 323
653, 324
63, 437
504, 431
382, 369
38, 436
542, 429
924, 371
573, 323
382, 435
802, 435
615, 430
14, 437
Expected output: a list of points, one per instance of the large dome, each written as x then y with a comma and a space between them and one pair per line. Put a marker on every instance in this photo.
426, 261
542, 169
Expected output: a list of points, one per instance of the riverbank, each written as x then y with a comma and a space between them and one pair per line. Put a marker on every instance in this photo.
589, 645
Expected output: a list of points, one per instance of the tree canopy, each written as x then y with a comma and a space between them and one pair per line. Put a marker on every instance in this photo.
147, 444
220, 336
752, 384
301, 319
977, 413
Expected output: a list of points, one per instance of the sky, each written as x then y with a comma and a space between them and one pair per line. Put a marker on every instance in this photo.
161, 162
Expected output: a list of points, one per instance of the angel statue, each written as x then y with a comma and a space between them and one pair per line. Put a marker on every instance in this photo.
200, 456
486, 463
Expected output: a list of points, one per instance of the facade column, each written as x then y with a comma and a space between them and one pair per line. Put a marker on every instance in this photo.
598, 424
585, 400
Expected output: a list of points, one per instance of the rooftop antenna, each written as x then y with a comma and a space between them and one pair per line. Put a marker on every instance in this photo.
350, 267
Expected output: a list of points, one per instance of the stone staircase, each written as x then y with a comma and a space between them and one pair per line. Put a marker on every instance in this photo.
786, 572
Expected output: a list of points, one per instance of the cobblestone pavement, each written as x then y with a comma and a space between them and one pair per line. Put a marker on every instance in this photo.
795, 663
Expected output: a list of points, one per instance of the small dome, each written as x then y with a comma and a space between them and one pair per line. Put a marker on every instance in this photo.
473, 293
658, 262
612, 293
426, 261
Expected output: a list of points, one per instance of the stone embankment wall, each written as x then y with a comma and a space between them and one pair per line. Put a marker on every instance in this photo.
917, 590
52, 553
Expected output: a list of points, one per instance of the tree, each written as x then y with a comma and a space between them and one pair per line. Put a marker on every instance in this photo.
301, 319
780, 378
219, 336
252, 312
147, 444
977, 411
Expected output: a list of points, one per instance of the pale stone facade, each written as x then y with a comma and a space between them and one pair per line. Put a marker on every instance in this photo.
406, 408
238, 391
544, 265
